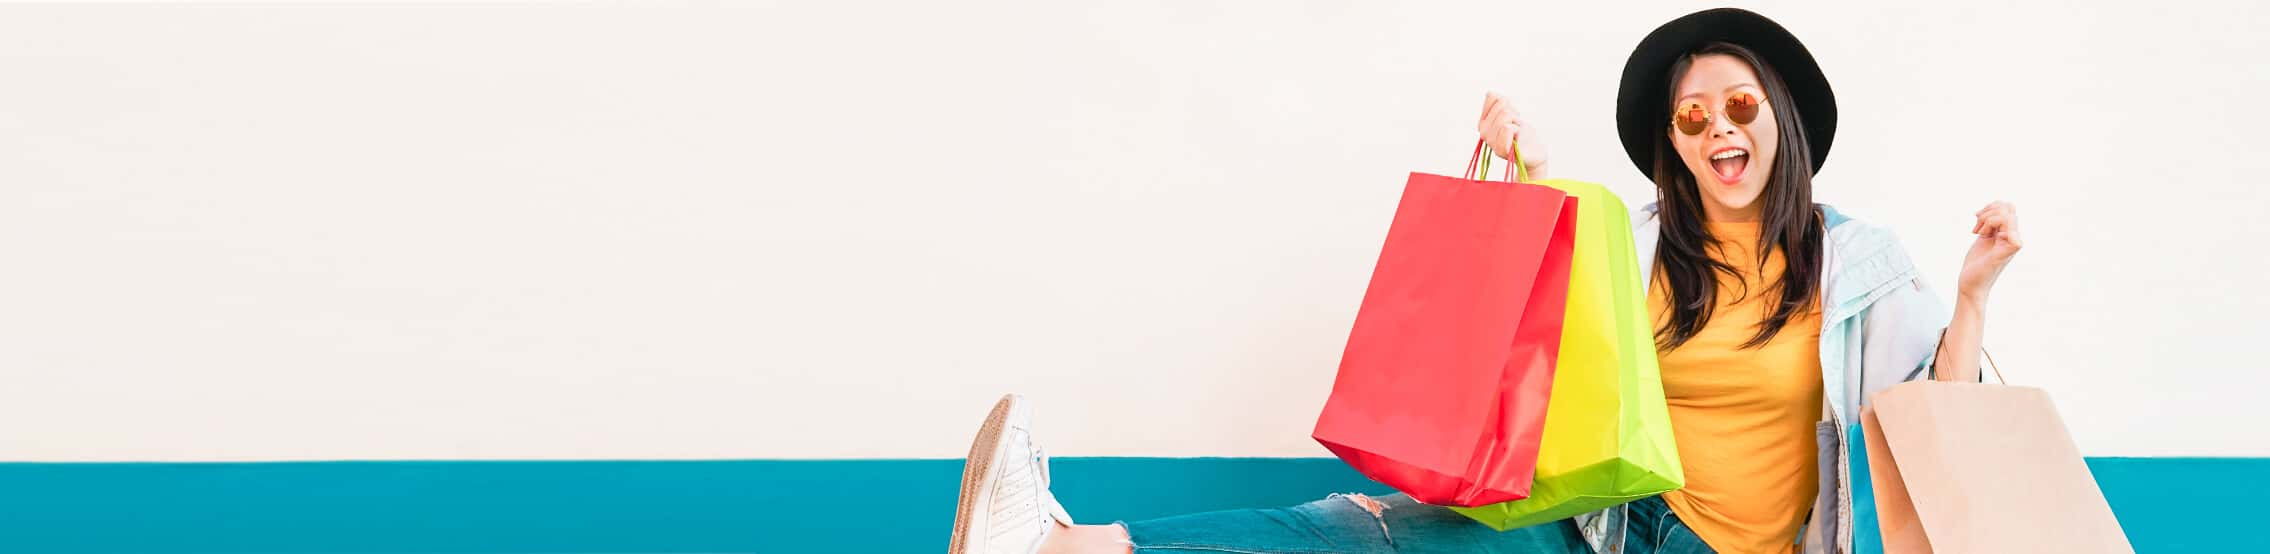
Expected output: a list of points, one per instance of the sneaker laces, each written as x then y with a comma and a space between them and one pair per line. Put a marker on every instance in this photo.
1048, 498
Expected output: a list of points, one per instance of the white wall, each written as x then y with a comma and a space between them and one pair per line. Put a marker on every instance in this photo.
840, 229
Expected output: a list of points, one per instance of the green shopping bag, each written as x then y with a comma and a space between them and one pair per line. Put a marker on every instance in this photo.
1607, 437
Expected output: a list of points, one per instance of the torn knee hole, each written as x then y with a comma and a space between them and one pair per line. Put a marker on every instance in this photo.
1366, 502
1376, 508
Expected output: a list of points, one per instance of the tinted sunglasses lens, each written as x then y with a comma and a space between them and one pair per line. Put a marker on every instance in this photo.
1742, 108
1691, 119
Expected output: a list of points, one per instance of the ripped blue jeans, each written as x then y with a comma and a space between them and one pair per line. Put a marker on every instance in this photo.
1395, 523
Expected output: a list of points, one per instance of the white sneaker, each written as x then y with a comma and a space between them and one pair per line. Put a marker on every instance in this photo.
1005, 506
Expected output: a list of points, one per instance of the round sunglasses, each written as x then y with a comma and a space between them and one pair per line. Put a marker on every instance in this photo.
1693, 118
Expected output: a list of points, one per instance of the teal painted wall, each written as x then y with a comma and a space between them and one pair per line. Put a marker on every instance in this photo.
787, 506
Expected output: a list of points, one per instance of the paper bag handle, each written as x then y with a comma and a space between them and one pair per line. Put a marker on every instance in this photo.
1990, 365
1934, 374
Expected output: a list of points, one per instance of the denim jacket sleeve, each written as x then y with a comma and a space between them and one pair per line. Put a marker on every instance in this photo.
1900, 336
1901, 331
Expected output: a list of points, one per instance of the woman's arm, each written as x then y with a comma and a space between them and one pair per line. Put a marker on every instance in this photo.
1998, 241
1959, 347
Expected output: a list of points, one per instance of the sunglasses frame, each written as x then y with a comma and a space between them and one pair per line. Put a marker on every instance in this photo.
1740, 115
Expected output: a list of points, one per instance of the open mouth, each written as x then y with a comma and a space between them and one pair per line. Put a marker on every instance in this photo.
1730, 164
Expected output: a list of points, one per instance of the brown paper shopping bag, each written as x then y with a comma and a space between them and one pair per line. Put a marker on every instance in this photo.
1973, 467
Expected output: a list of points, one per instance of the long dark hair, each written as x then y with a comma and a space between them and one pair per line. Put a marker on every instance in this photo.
1791, 222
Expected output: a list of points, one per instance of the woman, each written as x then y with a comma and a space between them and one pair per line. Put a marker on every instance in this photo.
1775, 318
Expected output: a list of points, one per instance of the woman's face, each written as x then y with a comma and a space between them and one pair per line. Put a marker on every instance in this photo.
1730, 161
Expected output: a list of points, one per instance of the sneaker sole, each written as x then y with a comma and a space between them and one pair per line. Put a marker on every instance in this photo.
975, 468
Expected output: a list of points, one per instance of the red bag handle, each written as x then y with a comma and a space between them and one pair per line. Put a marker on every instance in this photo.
1484, 160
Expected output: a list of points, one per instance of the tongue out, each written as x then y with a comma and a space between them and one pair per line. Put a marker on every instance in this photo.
1731, 167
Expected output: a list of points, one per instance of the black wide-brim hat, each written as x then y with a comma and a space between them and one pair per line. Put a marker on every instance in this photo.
1643, 100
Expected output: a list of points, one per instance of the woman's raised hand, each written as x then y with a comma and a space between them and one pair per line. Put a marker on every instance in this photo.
1501, 126
1998, 241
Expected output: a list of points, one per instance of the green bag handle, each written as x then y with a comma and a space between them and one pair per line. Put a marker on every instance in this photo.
1484, 159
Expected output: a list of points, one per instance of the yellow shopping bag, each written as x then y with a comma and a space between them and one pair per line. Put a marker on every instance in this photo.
1607, 436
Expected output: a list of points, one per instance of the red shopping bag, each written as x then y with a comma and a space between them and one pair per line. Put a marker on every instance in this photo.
1442, 388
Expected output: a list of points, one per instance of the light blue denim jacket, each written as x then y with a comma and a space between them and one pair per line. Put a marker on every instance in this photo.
1880, 326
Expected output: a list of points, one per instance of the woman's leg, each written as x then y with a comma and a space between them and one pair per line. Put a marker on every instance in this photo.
1654, 529
1087, 539
1006, 508
1347, 523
